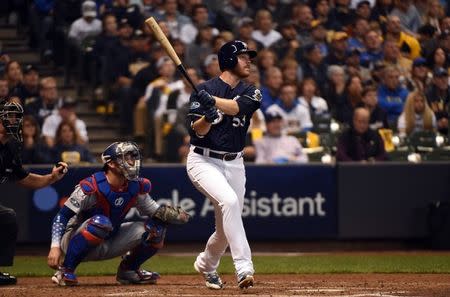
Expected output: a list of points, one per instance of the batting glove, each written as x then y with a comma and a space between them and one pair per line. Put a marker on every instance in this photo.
206, 99
211, 114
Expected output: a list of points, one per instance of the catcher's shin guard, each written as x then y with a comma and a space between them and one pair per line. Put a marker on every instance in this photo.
95, 231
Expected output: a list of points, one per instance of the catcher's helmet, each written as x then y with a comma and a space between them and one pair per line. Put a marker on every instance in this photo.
126, 155
229, 51
11, 115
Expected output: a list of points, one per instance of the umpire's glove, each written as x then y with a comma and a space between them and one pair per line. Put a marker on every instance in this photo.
205, 99
211, 114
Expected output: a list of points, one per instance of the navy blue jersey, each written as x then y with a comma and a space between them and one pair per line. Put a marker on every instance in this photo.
227, 133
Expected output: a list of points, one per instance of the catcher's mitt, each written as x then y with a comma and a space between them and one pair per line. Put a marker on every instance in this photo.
170, 215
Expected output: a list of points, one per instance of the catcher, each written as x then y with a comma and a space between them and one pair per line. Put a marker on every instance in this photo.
90, 225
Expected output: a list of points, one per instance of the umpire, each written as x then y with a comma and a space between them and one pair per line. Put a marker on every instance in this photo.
11, 170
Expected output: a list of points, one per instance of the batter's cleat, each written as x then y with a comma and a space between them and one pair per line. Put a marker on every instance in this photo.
212, 279
140, 276
245, 280
65, 277
7, 279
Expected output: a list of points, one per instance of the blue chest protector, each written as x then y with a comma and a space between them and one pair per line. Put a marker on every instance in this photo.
114, 205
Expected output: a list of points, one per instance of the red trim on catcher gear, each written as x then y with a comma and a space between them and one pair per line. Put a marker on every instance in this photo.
89, 186
145, 185
102, 202
92, 239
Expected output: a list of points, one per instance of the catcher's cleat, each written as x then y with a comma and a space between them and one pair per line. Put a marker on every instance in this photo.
139, 276
212, 279
64, 277
245, 280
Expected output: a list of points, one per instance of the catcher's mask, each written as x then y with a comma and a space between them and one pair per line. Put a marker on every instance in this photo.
11, 115
126, 155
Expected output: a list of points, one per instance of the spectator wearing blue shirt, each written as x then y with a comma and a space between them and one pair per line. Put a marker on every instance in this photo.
373, 49
273, 80
391, 95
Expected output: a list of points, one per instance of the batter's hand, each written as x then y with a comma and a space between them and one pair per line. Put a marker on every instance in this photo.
59, 170
205, 99
54, 257
211, 114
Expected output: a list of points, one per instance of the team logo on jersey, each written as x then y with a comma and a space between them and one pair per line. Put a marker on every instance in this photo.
257, 96
219, 119
195, 105
118, 202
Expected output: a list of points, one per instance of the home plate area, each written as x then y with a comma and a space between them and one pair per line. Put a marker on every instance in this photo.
339, 285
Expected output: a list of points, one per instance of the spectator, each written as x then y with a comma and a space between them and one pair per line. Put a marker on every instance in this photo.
359, 142
408, 15
87, 26
391, 94
244, 31
322, 14
265, 60
373, 49
277, 148
69, 147
47, 103
353, 66
352, 98
65, 113
434, 12
228, 17
408, 45
335, 88
393, 57
211, 67
289, 45
289, 71
200, 48
378, 117
14, 76
419, 76
174, 19
416, 115
338, 50
363, 10
360, 30
124, 10
270, 88
319, 36
30, 86
309, 99
302, 17
314, 66
4, 90
438, 59
41, 21
342, 14
296, 118
34, 150
438, 96
177, 108
427, 39
264, 33
189, 31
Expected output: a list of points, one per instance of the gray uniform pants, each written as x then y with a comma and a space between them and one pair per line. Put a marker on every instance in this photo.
128, 237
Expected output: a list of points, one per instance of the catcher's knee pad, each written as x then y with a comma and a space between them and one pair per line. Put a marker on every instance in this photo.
97, 229
154, 234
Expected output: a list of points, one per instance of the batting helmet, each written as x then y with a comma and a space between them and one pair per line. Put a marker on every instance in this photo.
229, 51
127, 155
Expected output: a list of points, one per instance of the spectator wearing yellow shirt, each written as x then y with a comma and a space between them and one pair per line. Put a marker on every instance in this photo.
409, 46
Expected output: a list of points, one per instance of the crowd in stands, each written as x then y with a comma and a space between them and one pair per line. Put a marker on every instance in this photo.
359, 65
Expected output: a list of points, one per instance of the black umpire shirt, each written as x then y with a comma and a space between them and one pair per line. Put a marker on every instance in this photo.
227, 133
10, 163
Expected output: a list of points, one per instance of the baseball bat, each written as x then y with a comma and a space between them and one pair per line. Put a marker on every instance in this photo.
162, 38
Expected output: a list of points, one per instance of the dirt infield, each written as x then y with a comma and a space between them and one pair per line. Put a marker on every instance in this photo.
339, 285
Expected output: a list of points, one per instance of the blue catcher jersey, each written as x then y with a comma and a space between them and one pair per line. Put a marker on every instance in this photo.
227, 133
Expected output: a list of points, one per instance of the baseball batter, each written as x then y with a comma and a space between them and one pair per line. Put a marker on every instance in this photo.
90, 226
220, 116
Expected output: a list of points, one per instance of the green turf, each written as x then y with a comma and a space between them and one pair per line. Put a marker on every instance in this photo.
36, 266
